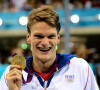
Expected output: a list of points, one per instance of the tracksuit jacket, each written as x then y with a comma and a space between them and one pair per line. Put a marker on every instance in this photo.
72, 73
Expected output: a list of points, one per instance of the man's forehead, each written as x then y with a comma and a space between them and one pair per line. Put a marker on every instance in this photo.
45, 30
42, 25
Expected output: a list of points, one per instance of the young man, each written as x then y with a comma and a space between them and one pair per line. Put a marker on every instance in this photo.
46, 69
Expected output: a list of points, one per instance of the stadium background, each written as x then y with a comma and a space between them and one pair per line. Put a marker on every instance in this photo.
84, 29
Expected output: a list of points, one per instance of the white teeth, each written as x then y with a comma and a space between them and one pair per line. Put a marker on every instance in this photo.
44, 49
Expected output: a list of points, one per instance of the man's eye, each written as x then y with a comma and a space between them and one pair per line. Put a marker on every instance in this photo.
39, 36
51, 36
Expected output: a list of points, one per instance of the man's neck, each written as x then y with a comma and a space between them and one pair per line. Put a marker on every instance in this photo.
43, 67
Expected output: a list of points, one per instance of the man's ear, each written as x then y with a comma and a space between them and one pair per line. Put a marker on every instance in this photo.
58, 41
28, 38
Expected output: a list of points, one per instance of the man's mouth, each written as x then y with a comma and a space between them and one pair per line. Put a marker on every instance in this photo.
44, 49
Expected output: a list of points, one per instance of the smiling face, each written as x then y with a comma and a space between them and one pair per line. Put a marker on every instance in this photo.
43, 39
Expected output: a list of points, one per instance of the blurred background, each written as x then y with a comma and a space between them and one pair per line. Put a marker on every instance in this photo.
82, 18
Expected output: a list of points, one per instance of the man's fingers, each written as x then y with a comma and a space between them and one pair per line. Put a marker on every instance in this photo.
15, 78
15, 71
15, 66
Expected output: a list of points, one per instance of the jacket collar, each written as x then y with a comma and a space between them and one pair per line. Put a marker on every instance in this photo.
61, 60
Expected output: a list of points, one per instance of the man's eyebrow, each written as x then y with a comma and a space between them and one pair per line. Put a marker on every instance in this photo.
52, 35
37, 34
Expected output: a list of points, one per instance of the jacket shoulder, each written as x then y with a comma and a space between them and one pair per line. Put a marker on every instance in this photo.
79, 62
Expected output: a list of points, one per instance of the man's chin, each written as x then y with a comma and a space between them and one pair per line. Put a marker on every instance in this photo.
44, 58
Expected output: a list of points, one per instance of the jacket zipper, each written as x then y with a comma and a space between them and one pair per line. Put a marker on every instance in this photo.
45, 85
46, 82
45, 88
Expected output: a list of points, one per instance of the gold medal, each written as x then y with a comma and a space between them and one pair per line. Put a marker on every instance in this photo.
19, 60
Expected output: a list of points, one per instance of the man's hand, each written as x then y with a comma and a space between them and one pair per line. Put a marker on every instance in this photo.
14, 77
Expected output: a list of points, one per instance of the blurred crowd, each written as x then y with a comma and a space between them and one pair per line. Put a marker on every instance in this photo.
92, 55
17, 5
87, 4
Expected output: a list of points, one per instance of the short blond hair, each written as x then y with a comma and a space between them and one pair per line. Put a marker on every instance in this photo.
45, 14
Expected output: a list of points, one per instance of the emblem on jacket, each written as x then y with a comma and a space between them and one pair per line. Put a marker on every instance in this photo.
69, 78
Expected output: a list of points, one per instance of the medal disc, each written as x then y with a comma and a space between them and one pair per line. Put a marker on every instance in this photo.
19, 60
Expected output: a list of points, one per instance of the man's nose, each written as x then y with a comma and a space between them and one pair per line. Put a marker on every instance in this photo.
45, 41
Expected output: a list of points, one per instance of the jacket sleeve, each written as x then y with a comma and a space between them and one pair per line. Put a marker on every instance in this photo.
3, 82
91, 83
